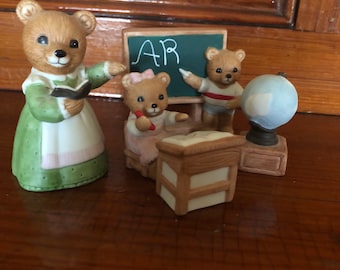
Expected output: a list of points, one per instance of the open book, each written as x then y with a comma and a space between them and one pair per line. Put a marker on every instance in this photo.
73, 93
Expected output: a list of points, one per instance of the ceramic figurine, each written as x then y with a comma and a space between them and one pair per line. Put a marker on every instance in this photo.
198, 170
221, 91
268, 101
58, 142
146, 96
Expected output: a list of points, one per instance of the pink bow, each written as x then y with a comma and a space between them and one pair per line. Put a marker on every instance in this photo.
137, 77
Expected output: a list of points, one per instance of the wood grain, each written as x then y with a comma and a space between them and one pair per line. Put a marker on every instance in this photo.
119, 222
319, 16
204, 11
310, 59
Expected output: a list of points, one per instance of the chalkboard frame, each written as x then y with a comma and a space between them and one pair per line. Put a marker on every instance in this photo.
166, 32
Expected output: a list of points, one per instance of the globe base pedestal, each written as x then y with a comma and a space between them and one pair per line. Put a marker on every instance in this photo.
269, 160
261, 136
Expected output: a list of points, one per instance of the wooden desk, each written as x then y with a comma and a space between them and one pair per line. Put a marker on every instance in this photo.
118, 222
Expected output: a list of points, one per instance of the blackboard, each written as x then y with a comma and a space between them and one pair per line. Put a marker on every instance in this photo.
168, 49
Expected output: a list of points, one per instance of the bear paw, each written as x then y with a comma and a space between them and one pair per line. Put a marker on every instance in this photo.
73, 106
143, 123
180, 117
116, 68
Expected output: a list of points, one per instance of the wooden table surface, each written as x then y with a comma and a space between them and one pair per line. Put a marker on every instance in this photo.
119, 222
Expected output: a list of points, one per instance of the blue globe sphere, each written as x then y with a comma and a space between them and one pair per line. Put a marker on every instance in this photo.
269, 101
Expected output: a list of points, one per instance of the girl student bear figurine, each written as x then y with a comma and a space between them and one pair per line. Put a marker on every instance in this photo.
146, 97
220, 90
58, 142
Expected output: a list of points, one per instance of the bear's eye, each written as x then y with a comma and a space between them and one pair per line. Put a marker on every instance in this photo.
218, 70
235, 69
161, 97
140, 99
74, 43
43, 40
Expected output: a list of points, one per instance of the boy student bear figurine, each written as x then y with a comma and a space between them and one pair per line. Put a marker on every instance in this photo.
221, 91
58, 142
146, 97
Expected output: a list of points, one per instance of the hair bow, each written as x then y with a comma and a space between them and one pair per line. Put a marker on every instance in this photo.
137, 77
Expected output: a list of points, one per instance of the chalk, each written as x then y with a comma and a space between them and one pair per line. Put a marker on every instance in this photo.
184, 73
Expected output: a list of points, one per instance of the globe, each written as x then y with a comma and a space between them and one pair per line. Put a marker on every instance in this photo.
268, 101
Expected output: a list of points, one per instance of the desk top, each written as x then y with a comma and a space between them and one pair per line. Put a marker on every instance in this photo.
119, 222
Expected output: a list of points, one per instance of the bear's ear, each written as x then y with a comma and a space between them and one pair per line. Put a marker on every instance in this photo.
240, 54
87, 20
164, 77
211, 52
26, 9
126, 81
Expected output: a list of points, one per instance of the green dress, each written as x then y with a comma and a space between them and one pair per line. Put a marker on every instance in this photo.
52, 149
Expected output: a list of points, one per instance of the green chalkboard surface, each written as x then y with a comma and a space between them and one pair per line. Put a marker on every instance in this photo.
168, 49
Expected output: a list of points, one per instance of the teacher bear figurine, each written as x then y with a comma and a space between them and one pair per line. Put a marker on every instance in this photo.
58, 142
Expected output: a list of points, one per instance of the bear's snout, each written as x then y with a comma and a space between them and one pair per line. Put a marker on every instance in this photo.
153, 109
60, 53
58, 58
228, 76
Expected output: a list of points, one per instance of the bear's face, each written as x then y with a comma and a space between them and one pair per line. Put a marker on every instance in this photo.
53, 41
224, 66
149, 96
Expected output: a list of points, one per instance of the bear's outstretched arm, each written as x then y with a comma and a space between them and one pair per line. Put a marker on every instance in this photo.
191, 79
103, 72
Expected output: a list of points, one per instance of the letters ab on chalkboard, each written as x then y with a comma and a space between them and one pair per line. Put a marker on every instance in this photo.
168, 49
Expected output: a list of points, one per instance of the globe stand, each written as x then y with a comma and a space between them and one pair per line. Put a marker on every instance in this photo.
272, 101
265, 152
262, 136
